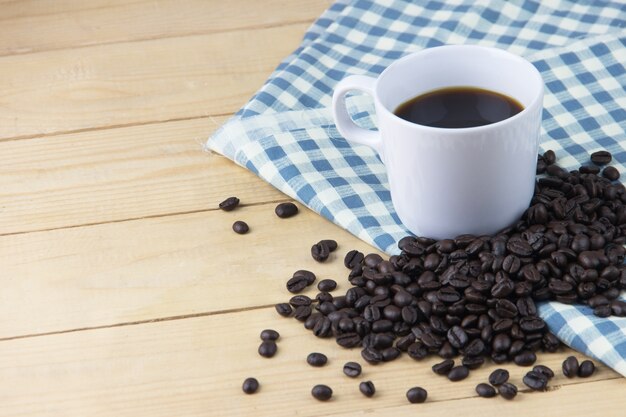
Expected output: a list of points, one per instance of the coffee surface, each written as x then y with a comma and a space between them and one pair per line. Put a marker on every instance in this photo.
458, 107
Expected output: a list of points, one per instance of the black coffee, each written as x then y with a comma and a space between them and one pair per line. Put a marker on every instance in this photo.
458, 107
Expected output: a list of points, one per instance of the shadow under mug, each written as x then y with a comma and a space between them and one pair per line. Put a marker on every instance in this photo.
447, 182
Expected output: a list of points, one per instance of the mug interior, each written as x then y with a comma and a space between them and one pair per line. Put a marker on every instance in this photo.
459, 66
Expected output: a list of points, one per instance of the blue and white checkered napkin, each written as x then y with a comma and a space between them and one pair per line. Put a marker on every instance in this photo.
285, 133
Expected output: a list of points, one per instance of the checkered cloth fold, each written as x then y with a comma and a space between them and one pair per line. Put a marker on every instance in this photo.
285, 133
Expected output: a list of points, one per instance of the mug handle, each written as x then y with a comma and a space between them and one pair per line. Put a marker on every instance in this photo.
344, 123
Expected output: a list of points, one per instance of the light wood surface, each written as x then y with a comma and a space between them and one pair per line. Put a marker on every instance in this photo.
125, 291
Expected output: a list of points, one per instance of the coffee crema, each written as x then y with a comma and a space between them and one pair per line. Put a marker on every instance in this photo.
458, 107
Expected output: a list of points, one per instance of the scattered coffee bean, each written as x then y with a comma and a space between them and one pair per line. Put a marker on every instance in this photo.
458, 373
367, 388
327, 285
330, 244
240, 227
536, 381
610, 173
284, 309
570, 367
352, 369
320, 251
443, 368
316, 359
542, 369
250, 385
507, 390
229, 204
269, 334
296, 284
601, 157
322, 392
268, 348
586, 369
416, 395
285, 210
485, 390
499, 377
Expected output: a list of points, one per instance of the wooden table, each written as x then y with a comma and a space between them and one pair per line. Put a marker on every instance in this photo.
125, 292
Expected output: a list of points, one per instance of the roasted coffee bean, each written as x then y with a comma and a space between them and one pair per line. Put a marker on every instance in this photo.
618, 308
549, 157
507, 390
443, 368
503, 288
485, 390
603, 311
536, 381
367, 388
348, 340
506, 309
322, 328
322, 392
457, 337
310, 276
417, 351
229, 204
353, 258
519, 247
501, 343
320, 251
416, 395
525, 358
390, 354
458, 373
610, 173
326, 285
371, 355
570, 367
300, 300
475, 348
297, 284
532, 324
284, 309
589, 169
352, 369
601, 157
268, 348
586, 369
498, 377
331, 244
316, 359
474, 362
526, 307
240, 227
285, 210
250, 385
269, 334
544, 370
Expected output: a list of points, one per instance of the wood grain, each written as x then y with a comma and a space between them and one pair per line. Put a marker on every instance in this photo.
117, 174
159, 267
195, 367
138, 82
35, 25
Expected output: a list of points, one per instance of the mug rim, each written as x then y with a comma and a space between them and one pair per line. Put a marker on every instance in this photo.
537, 99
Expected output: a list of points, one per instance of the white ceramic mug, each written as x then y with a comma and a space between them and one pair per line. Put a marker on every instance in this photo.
446, 182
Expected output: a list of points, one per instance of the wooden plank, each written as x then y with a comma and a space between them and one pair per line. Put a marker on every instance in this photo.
195, 367
116, 174
36, 25
138, 82
159, 267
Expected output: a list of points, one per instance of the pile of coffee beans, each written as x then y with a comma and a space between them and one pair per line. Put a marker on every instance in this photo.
475, 295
